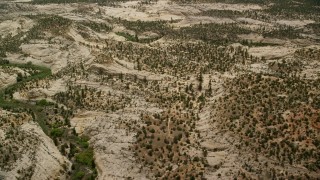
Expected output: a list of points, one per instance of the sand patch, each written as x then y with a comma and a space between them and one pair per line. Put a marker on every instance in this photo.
15, 26
124, 67
192, 20
250, 21
295, 23
270, 52
224, 6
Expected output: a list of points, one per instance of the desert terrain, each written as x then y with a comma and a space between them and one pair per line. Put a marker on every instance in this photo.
167, 89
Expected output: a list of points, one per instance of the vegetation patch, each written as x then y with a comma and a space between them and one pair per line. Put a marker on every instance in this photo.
56, 25
219, 34
85, 157
98, 27
274, 116
163, 146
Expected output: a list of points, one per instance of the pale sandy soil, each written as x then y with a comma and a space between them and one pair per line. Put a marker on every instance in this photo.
312, 36
165, 10
251, 21
146, 35
130, 4
55, 8
311, 71
252, 36
13, 27
2, 133
22, 1
82, 120
126, 13
93, 44
127, 68
51, 55
75, 17
54, 87
295, 23
164, 4
259, 67
270, 52
8, 76
224, 6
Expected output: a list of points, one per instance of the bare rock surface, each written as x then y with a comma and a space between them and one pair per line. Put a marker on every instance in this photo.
39, 158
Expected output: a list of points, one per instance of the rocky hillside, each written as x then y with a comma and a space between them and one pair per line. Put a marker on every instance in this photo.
159, 89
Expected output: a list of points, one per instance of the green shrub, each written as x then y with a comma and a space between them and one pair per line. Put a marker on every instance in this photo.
85, 157
44, 102
4, 61
128, 36
79, 175
83, 142
56, 132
